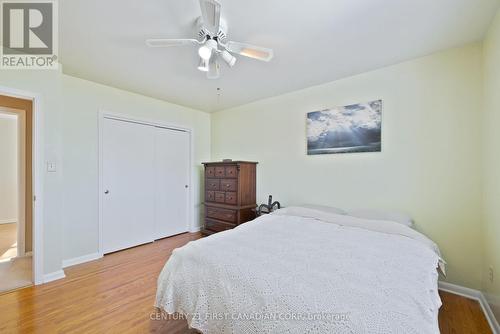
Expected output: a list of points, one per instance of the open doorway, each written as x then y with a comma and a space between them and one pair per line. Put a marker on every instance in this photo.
16, 193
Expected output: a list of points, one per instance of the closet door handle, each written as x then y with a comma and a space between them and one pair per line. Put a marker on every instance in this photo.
106, 192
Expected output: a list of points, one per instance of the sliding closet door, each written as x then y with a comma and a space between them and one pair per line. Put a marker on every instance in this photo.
128, 168
172, 175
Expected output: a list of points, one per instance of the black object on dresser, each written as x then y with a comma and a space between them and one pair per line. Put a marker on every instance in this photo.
230, 194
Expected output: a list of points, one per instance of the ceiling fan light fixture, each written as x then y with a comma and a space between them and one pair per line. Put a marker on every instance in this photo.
228, 58
203, 65
212, 43
205, 51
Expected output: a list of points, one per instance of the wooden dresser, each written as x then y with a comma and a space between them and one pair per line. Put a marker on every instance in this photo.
229, 194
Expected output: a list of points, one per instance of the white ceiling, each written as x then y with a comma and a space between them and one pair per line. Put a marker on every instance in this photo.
314, 41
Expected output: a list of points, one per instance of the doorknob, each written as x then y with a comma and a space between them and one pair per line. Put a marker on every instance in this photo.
186, 186
106, 192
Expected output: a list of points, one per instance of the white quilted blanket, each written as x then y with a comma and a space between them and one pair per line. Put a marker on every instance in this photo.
301, 272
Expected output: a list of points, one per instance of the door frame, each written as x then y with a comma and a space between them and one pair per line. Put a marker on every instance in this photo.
103, 114
21, 183
37, 171
20, 221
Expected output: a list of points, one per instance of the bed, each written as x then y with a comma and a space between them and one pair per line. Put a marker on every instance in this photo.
302, 270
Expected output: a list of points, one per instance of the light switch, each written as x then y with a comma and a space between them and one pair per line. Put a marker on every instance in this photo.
51, 167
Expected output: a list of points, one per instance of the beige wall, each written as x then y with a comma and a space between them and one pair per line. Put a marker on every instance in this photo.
82, 102
70, 130
8, 168
47, 85
491, 170
430, 160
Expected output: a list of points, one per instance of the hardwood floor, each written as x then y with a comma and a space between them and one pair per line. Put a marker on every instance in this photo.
115, 295
461, 315
15, 272
8, 241
111, 295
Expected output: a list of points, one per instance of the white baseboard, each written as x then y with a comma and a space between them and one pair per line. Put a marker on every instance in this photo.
81, 259
459, 290
53, 276
476, 295
195, 229
8, 221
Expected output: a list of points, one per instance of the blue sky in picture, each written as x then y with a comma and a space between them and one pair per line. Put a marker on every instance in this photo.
353, 128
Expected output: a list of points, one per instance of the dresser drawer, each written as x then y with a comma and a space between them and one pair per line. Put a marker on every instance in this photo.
221, 214
220, 171
231, 171
210, 172
231, 198
228, 184
220, 196
212, 184
210, 196
216, 226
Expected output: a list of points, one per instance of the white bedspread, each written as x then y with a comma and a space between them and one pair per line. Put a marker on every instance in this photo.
304, 271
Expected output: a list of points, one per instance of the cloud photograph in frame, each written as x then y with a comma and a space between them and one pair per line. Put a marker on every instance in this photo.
349, 129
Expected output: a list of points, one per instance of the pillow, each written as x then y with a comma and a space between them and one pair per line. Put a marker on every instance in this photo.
382, 215
324, 208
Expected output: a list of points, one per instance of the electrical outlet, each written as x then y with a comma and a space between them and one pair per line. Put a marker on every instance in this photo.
492, 274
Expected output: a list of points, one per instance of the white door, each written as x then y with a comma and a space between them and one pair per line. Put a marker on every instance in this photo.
172, 182
128, 183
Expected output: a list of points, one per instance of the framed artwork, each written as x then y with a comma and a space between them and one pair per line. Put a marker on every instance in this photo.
348, 129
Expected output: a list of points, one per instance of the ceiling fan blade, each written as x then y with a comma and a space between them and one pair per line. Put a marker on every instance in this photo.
213, 69
164, 43
210, 12
251, 51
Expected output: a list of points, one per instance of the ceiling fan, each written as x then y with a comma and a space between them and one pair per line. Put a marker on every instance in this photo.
213, 43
